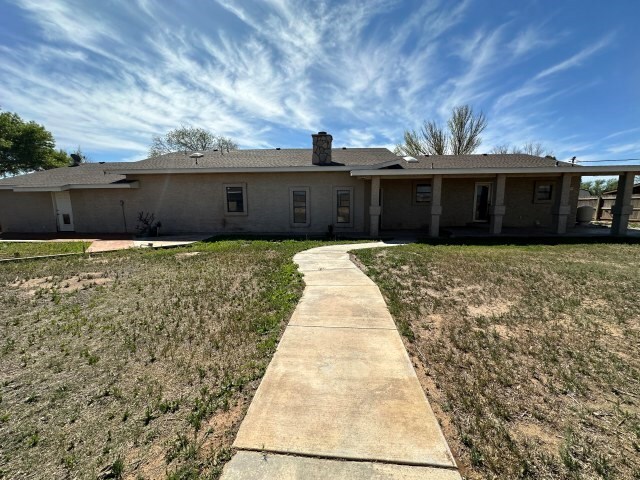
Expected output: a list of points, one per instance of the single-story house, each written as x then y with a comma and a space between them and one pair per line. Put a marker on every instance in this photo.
352, 191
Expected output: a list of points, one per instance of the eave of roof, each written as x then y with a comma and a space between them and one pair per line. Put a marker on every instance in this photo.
576, 169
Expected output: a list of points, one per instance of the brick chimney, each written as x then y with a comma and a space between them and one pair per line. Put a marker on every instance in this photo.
321, 148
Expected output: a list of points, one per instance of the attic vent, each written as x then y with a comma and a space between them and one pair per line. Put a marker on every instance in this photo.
196, 155
484, 154
409, 159
277, 148
344, 148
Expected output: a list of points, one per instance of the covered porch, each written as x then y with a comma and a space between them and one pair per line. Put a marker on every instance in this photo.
517, 201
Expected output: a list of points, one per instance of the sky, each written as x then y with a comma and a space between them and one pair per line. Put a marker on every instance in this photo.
108, 75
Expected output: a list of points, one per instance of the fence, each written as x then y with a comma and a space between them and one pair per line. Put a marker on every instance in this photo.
602, 206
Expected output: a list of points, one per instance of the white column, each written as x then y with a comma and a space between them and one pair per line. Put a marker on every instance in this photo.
498, 209
435, 210
561, 208
622, 209
374, 207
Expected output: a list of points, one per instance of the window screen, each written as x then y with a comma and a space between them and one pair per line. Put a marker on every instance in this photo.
423, 193
344, 206
543, 191
235, 200
299, 206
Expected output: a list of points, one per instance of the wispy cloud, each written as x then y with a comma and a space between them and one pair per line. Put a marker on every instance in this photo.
109, 75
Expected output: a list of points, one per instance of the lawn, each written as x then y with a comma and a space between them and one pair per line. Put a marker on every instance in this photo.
529, 355
32, 249
140, 363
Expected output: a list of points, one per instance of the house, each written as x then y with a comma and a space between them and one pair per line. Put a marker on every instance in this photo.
356, 191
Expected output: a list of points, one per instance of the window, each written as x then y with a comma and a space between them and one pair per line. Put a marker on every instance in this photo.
235, 199
543, 192
343, 205
423, 193
299, 206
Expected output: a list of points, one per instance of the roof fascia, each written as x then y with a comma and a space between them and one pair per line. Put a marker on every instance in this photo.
603, 170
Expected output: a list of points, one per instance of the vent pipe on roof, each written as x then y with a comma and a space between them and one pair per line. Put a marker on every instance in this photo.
321, 148
196, 156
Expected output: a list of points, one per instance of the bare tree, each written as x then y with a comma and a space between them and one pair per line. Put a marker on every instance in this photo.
463, 135
465, 129
501, 149
189, 138
530, 148
431, 140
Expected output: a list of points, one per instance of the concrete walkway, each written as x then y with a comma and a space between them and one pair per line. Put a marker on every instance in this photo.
340, 387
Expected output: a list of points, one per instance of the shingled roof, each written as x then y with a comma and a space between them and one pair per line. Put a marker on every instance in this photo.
488, 160
263, 158
84, 174
113, 173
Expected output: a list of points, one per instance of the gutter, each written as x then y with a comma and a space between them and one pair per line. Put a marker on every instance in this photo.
603, 170
74, 186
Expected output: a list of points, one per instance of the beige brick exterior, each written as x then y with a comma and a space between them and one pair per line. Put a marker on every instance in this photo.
26, 212
195, 203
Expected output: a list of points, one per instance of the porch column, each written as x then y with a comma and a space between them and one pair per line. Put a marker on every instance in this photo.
435, 210
622, 209
498, 209
374, 207
561, 208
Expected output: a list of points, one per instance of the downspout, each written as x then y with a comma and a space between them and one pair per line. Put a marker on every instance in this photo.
124, 217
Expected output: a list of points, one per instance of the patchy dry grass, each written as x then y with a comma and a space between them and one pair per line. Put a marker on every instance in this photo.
137, 364
530, 356
32, 249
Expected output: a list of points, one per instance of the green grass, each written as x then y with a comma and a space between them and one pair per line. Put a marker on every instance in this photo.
32, 249
139, 363
530, 355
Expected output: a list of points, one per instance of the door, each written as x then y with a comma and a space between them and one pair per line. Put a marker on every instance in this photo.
64, 214
482, 202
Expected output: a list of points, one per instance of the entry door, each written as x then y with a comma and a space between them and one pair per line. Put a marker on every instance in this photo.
482, 202
64, 214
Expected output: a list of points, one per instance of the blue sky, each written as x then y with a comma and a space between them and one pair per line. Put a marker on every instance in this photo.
109, 75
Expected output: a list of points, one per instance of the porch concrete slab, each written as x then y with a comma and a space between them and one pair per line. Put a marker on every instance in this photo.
344, 393
348, 277
341, 321
349, 301
261, 466
109, 245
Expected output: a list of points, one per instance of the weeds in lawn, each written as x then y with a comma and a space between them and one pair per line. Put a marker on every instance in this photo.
147, 374
530, 355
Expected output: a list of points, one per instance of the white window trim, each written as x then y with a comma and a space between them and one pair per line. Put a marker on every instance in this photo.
536, 184
335, 207
245, 199
414, 193
308, 207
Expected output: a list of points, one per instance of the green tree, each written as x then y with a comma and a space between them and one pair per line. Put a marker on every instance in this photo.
27, 146
600, 185
188, 138
460, 137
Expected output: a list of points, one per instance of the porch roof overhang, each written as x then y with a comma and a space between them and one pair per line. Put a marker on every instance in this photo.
487, 171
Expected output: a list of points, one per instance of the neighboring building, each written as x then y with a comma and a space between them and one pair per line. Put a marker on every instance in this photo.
357, 191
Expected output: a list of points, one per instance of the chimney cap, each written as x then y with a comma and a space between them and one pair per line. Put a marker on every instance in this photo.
322, 133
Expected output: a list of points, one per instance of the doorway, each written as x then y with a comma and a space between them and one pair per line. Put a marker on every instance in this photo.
482, 202
63, 211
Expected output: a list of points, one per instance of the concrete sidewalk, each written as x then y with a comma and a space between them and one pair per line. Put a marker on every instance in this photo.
340, 386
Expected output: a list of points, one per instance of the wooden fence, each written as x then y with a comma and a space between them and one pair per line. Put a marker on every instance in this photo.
602, 206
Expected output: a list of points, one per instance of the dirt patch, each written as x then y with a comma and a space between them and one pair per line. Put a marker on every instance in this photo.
187, 254
493, 309
67, 285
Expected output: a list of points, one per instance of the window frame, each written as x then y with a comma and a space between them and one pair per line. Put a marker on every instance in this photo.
348, 224
292, 221
537, 185
414, 191
245, 200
